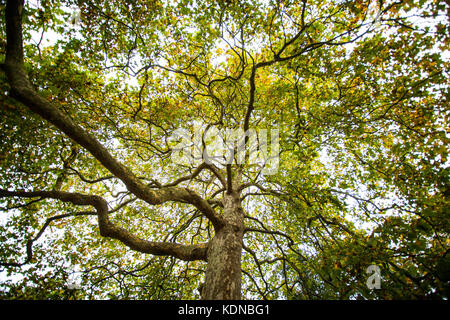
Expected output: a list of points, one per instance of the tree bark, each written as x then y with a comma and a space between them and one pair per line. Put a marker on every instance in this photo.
223, 271
223, 252
109, 229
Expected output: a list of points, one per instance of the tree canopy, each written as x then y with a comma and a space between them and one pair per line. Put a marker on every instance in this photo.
94, 91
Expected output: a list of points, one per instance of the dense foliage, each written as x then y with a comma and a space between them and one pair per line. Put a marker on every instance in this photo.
357, 89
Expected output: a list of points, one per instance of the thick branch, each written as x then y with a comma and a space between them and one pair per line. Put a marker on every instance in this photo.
108, 229
23, 91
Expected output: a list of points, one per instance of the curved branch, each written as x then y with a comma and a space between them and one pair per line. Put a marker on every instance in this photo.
84, 179
108, 229
272, 232
196, 172
265, 230
30, 242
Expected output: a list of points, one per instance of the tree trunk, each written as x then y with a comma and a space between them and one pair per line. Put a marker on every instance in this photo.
223, 272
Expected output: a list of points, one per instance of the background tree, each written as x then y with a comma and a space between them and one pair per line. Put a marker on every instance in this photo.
89, 106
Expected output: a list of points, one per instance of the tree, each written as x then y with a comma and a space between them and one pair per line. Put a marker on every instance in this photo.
355, 90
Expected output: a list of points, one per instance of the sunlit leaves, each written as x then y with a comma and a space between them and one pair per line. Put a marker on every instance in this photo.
358, 90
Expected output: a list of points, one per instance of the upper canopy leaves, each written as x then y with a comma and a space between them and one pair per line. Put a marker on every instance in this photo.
357, 89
